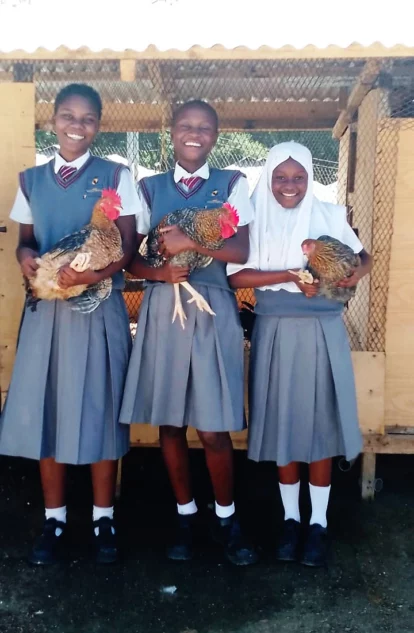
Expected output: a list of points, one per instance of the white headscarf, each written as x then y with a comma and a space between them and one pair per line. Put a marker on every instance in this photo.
276, 233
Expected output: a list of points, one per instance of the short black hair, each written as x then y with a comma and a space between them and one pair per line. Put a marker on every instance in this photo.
80, 90
196, 104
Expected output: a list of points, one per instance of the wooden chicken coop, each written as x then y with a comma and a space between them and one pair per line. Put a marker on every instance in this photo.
353, 108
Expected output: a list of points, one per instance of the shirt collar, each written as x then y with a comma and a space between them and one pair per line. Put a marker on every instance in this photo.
180, 172
78, 163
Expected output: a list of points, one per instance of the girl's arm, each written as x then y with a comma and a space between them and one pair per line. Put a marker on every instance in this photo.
141, 270
250, 278
27, 250
68, 277
235, 249
363, 269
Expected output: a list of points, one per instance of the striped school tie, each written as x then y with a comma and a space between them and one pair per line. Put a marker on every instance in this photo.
66, 171
191, 182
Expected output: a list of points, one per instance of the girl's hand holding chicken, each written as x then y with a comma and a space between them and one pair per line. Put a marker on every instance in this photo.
350, 282
173, 274
27, 261
173, 241
67, 277
309, 290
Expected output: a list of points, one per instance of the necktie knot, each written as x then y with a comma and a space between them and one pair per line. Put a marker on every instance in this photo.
191, 182
66, 171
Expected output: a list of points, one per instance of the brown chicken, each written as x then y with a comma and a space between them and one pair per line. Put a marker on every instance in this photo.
95, 246
209, 228
329, 261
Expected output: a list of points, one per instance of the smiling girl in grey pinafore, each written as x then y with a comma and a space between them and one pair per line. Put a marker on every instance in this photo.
302, 399
64, 398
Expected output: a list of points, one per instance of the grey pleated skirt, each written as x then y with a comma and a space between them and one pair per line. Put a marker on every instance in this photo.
302, 401
66, 389
191, 377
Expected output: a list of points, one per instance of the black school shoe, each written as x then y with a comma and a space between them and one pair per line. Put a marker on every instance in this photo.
315, 551
106, 551
181, 547
287, 549
49, 548
237, 549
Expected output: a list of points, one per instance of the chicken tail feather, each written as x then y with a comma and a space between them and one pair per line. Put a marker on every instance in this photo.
92, 297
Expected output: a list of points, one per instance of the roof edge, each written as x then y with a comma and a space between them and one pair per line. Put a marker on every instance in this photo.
218, 51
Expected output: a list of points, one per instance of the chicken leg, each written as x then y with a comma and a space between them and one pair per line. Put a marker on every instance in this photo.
197, 298
178, 307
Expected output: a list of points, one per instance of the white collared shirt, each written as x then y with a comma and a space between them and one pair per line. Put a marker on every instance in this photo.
239, 198
21, 211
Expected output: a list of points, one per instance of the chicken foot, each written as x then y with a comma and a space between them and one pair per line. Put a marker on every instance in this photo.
178, 307
197, 298
81, 262
304, 275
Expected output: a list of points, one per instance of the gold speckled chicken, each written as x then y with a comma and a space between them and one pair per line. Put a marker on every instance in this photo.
208, 228
329, 261
95, 246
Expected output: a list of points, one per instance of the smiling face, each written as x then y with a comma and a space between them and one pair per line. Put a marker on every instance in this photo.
289, 183
76, 124
194, 135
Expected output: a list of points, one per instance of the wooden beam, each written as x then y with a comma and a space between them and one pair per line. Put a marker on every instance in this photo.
368, 476
163, 90
234, 116
389, 444
127, 69
17, 152
363, 85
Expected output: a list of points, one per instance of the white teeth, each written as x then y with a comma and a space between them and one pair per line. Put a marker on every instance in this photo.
190, 144
289, 195
75, 137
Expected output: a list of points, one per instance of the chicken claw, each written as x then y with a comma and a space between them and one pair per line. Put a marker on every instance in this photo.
304, 275
197, 298
81, 262
178, 307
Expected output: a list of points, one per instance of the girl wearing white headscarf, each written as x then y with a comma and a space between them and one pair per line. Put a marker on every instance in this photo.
302, 403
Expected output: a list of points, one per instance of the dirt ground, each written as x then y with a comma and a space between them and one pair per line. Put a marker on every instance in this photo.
368, 586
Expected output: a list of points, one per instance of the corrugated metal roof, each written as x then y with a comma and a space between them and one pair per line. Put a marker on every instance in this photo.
190, 25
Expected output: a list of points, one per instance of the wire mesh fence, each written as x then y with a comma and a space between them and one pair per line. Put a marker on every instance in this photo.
259, 103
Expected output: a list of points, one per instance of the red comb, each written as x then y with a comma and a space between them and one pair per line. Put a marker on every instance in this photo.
233, 211
111, 194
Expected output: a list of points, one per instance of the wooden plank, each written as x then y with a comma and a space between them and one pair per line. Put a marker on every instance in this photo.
218, 52
368, 476
369, 371
399, 389
401, 281
148, 117
343, 161
362, 86
389, 444
363, 199
382, 224
17, 152
127, 69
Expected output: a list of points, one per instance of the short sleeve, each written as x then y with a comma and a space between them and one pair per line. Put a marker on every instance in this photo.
128, 193
239, 198
21, 211
143, 214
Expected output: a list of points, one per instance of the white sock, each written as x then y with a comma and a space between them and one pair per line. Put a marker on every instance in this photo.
290, 500
187, 508
224, 512
98, 513
319, 498
56, 513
